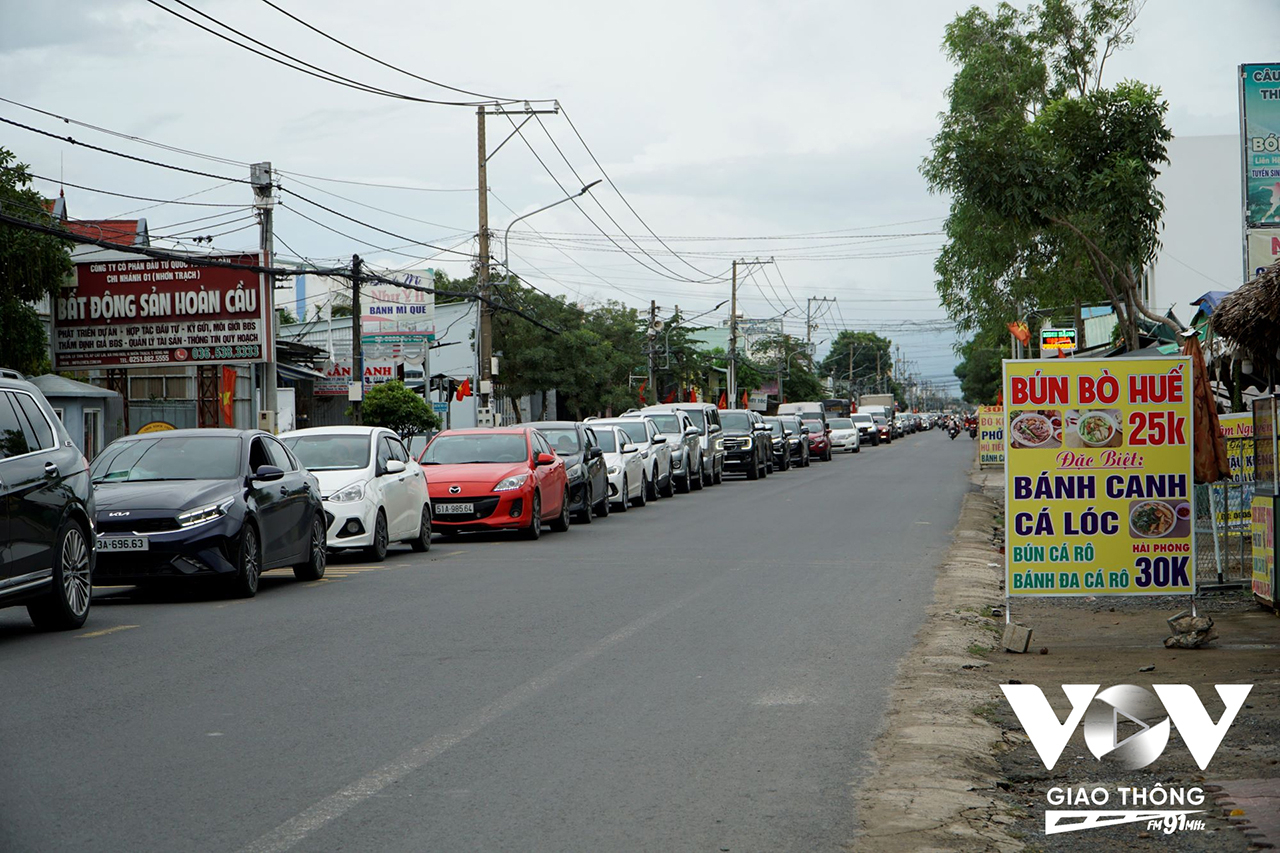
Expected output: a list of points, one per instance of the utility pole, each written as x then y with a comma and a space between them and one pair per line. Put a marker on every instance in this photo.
733, 336
808, 319
357, 352
484, 346
264, 202
851, 373
652, 336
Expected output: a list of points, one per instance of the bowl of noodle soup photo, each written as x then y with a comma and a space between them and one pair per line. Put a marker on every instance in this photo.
1088, 428
1035, 429
1152, 519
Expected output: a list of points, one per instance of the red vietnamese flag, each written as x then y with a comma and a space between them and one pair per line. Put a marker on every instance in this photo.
227, 395
671, 398
746, 400
464, 390
643, 399
721, 403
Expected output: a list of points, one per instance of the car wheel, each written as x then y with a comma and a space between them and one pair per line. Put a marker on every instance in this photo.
651, 488
857, 448
717, 474
683, 485
826, 457
377, 552
603, 509
753, 472
422, 542
767, 468
244, 584
622, 494
534, 530
561, 522
697, 481
588, 505
642, 497
669, 489
67, 605
313, 569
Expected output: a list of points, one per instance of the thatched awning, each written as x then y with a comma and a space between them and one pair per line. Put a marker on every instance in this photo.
1250, 315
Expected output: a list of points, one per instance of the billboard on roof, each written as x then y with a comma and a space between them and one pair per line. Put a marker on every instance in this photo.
1260, 120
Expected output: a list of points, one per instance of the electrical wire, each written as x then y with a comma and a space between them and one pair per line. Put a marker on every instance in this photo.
158, 201
341, 215
379, 209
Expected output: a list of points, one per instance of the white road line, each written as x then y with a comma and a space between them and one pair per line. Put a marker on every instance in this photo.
296, 829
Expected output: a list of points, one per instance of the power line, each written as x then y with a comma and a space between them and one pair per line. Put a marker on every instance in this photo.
371, 58
378, 209
158, 201
328, 209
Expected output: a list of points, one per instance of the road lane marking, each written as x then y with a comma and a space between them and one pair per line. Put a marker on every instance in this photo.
104, 632
334, 806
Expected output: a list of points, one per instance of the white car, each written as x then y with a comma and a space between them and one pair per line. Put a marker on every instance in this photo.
844, 435
643, 432
373, 493
624, 464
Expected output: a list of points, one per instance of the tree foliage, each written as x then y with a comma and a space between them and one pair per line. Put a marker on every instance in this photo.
979, 370
1052, 175
32, 266
397, 408
870, 355
788, 358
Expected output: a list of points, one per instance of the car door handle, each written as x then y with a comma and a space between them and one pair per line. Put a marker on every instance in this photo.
284, 490
51, 469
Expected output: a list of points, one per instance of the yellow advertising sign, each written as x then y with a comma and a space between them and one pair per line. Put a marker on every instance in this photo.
1098, 476
1263, 527
1238, 432
154, 426
990, 435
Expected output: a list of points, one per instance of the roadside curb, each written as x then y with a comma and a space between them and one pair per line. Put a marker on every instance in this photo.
933, 785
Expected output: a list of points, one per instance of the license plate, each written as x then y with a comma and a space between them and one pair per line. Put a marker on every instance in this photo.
123, 543
455, 509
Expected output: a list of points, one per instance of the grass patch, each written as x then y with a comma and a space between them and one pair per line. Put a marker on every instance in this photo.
987, 711
978, 650
987, 612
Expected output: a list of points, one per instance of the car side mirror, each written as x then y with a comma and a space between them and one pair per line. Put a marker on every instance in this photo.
594, 453
544, 459
788, 432
691, 430
267, 473
393, 466
804, 430
715, 428
762, 428
630, 448
659, 439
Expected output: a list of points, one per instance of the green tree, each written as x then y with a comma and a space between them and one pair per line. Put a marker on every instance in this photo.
32, 266
397, 408
979, 370
870, 357
787, 357
1052, 175
285, 317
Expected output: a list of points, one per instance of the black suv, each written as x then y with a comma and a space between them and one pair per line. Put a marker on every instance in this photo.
798, 440
747, 445
576, 444
48, 553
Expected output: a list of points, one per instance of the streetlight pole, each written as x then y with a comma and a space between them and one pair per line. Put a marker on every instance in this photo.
506, 235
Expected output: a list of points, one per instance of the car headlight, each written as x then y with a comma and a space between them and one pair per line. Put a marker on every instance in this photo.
515, 481
746, 443
576, 474
348, 494
613, 470
204, 514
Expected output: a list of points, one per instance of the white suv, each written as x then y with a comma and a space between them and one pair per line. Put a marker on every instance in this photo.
655, 449
373, 493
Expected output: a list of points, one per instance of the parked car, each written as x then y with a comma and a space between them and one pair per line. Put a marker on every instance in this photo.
883, 428
217, 503
798, 440
819, 437
805, 410
867, 431
706, 418
654, 448
373, 493
496, 479
685, 442
628, 479
746, 443
49, 553
575, 443
844, 435
779, 446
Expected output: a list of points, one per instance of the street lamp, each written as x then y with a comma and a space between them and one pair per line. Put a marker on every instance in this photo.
506, 236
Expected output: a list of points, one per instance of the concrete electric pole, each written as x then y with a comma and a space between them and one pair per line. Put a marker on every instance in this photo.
264, 203
355, 391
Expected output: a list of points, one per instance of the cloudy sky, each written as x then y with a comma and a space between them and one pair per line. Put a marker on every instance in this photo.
792, 130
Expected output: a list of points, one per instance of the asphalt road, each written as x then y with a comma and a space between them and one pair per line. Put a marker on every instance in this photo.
705, 673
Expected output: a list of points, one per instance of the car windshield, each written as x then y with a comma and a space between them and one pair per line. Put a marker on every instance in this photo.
814, 425
775, 427
841, 423
881, 422
739, 421
330, 452
669, 424
635, 431
212, 457
606, 441
563, 440
862, 420
476, 448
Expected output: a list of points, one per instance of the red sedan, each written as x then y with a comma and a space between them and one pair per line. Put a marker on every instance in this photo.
495, 479
819, 439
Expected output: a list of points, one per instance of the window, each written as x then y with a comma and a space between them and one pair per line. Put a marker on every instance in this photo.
163, 383
384, 453
13, 437
92, 433
41, 435
58, 412
397, 450
279, 456
258, 455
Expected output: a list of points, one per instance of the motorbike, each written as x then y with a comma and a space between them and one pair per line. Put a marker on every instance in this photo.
973, 432
953, 431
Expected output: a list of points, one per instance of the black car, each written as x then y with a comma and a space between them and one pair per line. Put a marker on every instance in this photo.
576, 444
798, 440
47, 554
217, 503
747, 447
780, 445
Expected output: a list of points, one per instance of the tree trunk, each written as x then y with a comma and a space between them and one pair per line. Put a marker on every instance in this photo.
515, 407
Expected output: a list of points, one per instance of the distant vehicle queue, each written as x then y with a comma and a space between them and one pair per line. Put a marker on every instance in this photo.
224, 506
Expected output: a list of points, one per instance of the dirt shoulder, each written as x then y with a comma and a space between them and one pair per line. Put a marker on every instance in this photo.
953, 769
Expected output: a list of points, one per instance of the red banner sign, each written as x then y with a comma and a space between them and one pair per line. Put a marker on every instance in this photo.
154, 312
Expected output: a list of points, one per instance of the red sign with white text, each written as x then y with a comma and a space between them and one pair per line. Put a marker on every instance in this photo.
160, 312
